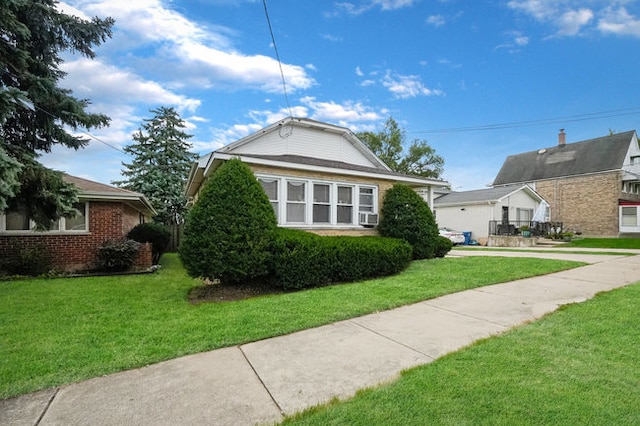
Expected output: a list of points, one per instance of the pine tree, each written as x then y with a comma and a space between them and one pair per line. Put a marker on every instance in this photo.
161, 164
34, 111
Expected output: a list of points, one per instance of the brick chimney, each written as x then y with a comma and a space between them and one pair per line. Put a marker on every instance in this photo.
562, 138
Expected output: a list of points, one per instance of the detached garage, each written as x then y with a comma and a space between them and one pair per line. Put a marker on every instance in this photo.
481, 211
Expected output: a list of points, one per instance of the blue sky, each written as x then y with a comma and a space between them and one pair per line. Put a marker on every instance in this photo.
444, 69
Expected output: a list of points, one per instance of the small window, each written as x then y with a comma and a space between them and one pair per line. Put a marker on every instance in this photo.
321, 203
79, 222
366, 200
296, 202
629, 216
345, 204
270, 187
17, 220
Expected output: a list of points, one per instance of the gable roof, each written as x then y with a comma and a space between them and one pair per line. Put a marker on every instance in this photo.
96, 191
590, 156
294, 144
483, 196
297, 136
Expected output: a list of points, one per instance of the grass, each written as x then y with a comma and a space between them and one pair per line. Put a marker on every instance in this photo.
576, 366
60, 331
617, 243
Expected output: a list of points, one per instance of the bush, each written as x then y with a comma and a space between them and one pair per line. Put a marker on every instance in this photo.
443, 246
154, 233
302, 259
406, 215
117, 255
30, 261
228, 233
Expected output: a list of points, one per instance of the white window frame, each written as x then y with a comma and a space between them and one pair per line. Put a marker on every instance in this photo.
60, 228
629, 227
282, 202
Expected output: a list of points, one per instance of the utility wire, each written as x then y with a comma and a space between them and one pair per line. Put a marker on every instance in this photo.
540, 122
275, 47
83, 131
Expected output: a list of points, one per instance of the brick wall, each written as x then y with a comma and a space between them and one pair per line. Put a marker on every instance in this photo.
74, 252
588, 204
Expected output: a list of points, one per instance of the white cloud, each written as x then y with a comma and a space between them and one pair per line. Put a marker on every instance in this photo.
517, 40
565, 15
92, 79
359, 72
572, 21
385, 5
436, 20
203, 56
619, 22
407, 86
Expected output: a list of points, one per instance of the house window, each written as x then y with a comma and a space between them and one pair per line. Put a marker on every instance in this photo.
78, 223
635, 160
345, 204
629, 216
296, 202
18, 220
524, 215
270, 187
366, 200
317, 203
321, 203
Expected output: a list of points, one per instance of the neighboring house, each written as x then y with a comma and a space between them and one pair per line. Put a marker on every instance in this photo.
592, 186
318, 176
106, 213
492, 210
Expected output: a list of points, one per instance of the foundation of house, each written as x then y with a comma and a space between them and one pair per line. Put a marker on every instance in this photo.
510, 241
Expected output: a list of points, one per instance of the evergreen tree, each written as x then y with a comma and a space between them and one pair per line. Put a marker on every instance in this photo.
161, 164
34, 110
229, 231
419, 159
406, 215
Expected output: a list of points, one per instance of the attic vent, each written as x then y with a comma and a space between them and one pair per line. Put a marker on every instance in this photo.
542, 151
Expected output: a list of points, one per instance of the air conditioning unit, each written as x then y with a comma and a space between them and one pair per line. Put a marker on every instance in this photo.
368, 219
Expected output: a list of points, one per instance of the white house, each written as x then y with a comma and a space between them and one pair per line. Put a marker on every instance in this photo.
505, 208
318, 176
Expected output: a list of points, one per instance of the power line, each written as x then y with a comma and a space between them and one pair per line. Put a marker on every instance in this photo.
539, 122
275, 47
82, 131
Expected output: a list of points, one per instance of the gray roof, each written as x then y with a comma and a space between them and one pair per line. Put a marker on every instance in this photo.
478, 195
339, 165
590, 156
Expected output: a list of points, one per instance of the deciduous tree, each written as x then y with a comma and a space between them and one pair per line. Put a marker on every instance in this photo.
390, 145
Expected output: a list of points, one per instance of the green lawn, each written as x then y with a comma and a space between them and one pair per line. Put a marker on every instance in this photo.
617, 243
59, 331
577, 366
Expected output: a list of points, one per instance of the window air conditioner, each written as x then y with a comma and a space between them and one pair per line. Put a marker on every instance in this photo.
368, 219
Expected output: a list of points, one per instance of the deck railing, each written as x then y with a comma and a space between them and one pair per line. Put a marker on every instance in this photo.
514, 227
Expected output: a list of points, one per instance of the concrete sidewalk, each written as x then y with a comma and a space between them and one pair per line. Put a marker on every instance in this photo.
259, 382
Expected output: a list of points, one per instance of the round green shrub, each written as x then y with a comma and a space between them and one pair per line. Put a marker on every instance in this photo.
406, 215
443, 246
117, 255
156, 234
228, 233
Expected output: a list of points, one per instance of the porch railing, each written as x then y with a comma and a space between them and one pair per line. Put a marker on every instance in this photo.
513, 227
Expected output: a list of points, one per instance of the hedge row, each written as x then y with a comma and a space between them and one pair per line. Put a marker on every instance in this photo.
301, 259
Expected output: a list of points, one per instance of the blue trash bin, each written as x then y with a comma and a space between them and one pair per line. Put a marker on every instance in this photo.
467, 237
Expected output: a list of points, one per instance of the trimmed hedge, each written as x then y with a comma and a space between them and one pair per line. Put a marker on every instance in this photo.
301, 259
117, 255
443, 246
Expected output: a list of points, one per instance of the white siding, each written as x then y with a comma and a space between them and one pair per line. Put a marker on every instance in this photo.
473, 218
305, 142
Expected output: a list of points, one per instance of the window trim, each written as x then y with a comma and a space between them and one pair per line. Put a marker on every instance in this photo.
61, 226
333, 223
